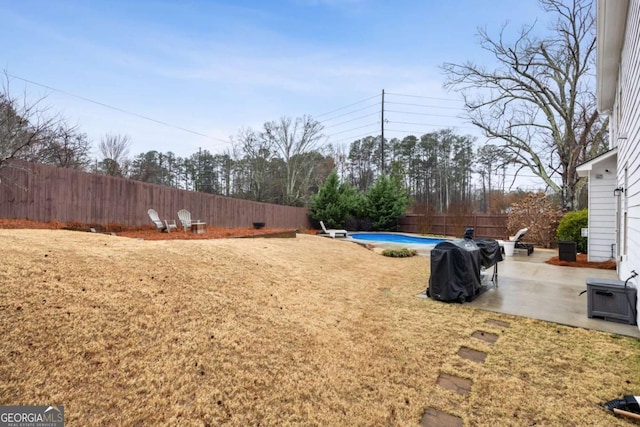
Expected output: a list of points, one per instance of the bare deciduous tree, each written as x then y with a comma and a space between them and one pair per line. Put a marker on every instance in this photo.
23, 124
114, 149
539, 100
256, 155
64, 146
294, 142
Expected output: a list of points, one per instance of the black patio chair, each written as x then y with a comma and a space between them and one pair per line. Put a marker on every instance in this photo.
520, 245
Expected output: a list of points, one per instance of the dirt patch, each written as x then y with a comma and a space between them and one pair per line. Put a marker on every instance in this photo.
581, 261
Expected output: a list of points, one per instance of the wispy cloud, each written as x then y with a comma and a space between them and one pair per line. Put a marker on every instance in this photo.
332, 3
216, 67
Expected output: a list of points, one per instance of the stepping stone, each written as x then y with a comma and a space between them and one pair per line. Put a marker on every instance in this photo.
434, 418
471, 354
457, 384
485, 336
497, 323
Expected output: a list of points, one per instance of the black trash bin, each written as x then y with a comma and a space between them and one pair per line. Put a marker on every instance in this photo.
567, 250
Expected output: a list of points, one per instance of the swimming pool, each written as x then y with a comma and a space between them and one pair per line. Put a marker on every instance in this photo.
395, 238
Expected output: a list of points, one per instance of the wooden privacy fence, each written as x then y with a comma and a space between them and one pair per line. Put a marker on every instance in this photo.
44, 193
491, 226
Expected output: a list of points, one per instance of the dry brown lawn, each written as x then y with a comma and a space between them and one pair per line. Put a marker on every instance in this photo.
272, 332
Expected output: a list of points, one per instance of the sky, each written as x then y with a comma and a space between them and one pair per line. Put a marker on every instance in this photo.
187, 75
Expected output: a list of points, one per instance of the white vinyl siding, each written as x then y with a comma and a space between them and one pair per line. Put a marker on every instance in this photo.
602, 210
629, 144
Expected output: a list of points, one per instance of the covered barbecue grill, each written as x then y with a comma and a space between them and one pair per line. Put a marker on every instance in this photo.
456, 265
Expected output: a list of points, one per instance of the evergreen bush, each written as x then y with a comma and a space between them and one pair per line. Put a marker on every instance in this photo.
387, 201
340, 205
399, 253
335, 202
570, 228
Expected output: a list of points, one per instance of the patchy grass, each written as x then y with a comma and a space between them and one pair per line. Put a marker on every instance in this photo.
305, 331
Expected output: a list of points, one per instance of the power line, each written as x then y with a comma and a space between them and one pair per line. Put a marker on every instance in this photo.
425, 105
433, 125
423, 114
349, 130
415, 132
351, 138
420, 105
348, 113
346, 106
424, 97
102, 104
519, 175
352, 120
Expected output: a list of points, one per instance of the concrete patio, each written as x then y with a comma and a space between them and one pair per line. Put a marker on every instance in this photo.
529, 287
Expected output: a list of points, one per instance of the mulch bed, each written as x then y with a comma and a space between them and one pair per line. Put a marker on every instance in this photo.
581, 261
149, 232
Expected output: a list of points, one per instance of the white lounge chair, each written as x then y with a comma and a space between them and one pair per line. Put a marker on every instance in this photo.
518, 235
185, 218
519, 245
161, 225
516, 241
332, 232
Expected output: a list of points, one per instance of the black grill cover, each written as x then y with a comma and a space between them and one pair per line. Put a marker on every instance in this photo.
490, 253
455, 270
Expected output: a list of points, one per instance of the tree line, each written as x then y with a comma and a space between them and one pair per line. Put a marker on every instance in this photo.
285, 162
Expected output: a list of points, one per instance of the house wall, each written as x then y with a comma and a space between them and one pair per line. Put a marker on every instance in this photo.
602, 211
626, 130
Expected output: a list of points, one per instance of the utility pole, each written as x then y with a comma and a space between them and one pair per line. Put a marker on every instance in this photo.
382, 133
199, 172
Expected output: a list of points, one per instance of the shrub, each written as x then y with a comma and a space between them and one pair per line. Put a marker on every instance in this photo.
399, 253
570, 228
335, 202
387, 201
342, 206
365, 224
536, 212
351, 224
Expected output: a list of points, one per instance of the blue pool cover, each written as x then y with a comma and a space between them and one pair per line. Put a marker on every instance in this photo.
395, 238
